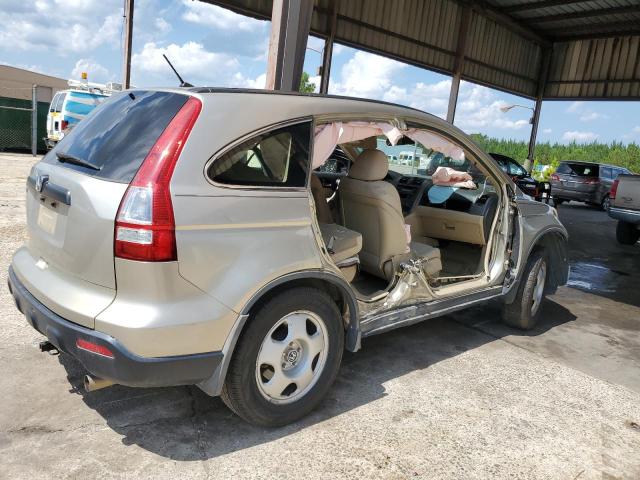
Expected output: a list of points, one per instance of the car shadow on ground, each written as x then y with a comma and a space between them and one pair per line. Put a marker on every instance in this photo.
184, 424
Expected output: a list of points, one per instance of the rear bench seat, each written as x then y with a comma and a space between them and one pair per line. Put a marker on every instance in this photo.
343, 245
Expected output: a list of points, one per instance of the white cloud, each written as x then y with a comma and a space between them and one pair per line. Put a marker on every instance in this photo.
240, 81
218, 17
578, 136
366, 75
575, 107
591, 116
95, 71
191, 60
161, 25
338, 49
636, 129
64, 27
547, 131
479, 109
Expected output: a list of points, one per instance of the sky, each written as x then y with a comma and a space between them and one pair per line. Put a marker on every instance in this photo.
215, 47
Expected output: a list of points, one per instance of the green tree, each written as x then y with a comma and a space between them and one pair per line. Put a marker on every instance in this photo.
305, 85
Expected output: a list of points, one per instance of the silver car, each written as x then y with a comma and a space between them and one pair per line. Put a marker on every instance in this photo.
241, 240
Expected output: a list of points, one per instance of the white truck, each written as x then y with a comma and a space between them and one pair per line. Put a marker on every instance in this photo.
625, 207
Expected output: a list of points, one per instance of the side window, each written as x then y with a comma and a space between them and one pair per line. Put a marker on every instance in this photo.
279, 158
54, 100
606, 173
60, 102
515, 169
563, 168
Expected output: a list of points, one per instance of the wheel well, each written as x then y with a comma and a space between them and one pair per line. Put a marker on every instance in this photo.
555, 246
332, 290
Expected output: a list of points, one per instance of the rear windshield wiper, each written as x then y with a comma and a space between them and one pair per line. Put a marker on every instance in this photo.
66, 158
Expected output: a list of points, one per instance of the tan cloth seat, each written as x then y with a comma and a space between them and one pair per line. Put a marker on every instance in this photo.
372, 207
323, 212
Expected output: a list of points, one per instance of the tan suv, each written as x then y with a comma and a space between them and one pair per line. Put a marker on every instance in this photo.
240, 240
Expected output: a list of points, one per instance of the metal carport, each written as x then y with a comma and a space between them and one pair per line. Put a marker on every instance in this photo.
538, 49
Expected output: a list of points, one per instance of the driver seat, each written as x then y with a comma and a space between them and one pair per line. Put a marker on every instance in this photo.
372, 207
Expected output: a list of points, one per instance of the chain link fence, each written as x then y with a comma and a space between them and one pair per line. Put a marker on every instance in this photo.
18, 117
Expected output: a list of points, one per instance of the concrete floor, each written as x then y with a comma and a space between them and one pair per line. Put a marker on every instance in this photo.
456, 397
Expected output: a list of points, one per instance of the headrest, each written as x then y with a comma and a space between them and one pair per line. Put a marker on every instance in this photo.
371, 165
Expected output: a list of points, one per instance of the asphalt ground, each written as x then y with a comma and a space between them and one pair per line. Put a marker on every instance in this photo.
461, 396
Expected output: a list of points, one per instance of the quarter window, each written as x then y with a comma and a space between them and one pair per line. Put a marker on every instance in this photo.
279, 158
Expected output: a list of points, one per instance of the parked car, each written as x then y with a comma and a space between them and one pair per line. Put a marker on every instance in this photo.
625, 207
187, 244
584, 182
529, 185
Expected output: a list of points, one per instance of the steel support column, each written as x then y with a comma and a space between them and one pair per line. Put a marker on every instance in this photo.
34, 120
535, 120
328, 49
128, 37
290, 23
463, 28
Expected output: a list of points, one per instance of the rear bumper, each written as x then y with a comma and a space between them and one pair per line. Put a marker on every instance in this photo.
125, 368
625, 215
565, 194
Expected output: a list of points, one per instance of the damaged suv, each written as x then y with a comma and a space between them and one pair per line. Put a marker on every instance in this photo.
174, 240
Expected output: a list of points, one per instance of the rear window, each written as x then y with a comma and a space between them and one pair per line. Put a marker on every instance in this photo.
116, 137
579, 169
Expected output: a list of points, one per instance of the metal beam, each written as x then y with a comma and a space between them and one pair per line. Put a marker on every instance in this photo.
535, 120
584, 14
463, 29
328, 48
510, 23
597, 30
128, 37
290, 22
633, 32
523, 7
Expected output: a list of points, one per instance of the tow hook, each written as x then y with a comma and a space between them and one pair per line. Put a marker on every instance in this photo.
48, 347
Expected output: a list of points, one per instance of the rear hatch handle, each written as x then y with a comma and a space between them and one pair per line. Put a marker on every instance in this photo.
43, 187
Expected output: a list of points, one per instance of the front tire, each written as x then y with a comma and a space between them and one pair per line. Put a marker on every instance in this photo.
627, 233
286, 359
524, 312
606, 203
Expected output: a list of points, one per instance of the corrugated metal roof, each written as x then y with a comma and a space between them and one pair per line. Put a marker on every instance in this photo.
594, 44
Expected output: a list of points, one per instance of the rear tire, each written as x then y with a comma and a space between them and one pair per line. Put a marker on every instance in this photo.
286, 359
525, 310
558, 201
627, 233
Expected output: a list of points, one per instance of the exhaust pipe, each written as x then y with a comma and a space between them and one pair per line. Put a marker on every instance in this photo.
91, 383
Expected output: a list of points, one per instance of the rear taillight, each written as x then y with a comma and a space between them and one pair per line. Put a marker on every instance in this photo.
145, 226
555, 178
64, 124
614, 190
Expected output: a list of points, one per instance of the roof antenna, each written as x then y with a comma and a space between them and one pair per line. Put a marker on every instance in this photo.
182, 82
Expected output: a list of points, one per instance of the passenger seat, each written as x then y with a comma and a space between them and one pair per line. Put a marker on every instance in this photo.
372, 207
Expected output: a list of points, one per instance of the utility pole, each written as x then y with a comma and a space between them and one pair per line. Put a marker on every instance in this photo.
128, 37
